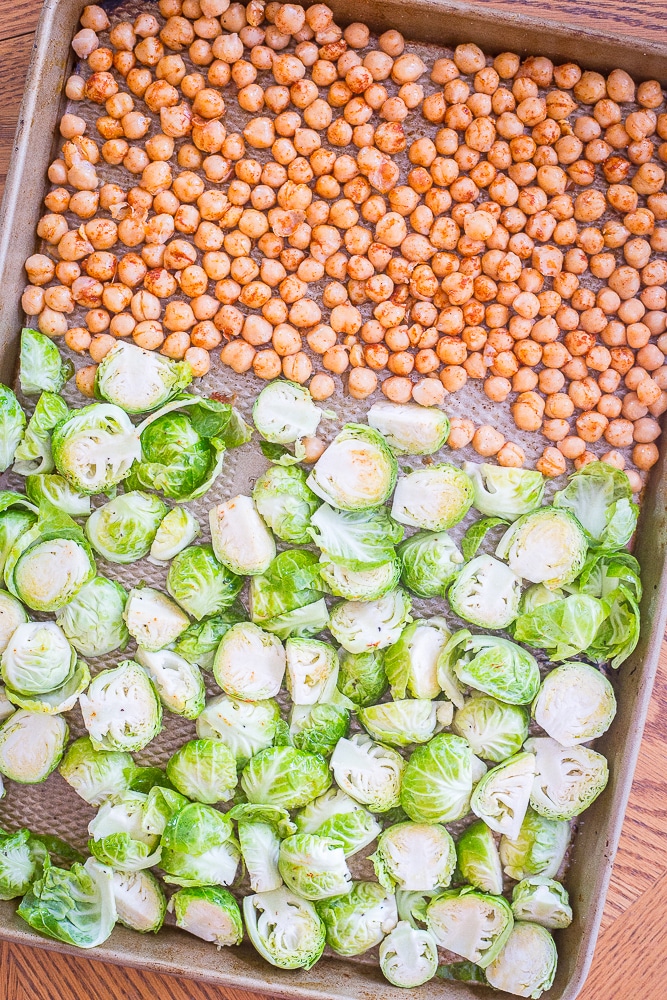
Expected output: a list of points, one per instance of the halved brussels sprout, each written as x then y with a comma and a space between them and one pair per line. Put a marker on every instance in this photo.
122, 530
600, 497
285, 776
138, 380
284, 929
575, 704
62, 699
12, 426
179, 684
355, 539
314, 866
362, 584
33, 454
241, 540
17, 516
12, 614
119, 838
198, 643
493, 665
411, 720
542, 901
478, 859
249, 663
286, 503
285, 412
564, 627
505, 492
140, 901
210, 913
22, 858
96, 775
204, 770
41, 369
94, 447
362, 677
38, 658
121, 709
416, 857
429, 562
200, 584
567, 779
357, 471
494, 730
501, 797
410, 429
434, 498
198, 847
539, 848
437, 782
526, 966
58, 492
486, 593
545, 546
360, 919
93, 620
76, 907
360, 626
245, 726
312, 670
153, 619
177, 529
408, 956
260, 829
318, 728
288, 598
618, 635
31, 745
470, 923
334, 814
411, 662
369, 772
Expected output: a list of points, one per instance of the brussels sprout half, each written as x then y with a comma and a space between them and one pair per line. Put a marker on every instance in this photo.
241, 540
369, 772
123, 530
494, 730
285, 776
539, 848
204, 770
357, 471
198, 848
76, 907
542, 901
201, 584
435, 498
94, 447
361, 626
600, 497
360, 919
54, 489
575, 704
502, 795
33, 455
138, 380
140, 901
408, 956
284, 929
356, 540
22, 858
545, 546
410, 720
96, 775
505, 492
178, 683
153, 619
285, 412
362, 677
314, 866
470, 923
177, 529
491, 664
41, 368
121, 709
410, 429
526, 966
245, 726
31, 745
486, 593
478, 859
411, 662
437, 782
567, 779
336, 815
286, 503
93, 620
417, 857
210, 913
429, 562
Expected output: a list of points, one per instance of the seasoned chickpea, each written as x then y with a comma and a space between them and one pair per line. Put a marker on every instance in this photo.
461, 433
645, 455
487, 440
551, 463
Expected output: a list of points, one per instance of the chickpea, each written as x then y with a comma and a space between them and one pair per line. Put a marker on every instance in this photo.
645, 455
397, 389
428, 392
487, 440
551, 463
461, 433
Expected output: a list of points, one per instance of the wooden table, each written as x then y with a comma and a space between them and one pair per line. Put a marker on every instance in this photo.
632, 948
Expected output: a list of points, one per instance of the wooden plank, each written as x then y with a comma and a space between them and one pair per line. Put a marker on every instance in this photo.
14, 60
18, 18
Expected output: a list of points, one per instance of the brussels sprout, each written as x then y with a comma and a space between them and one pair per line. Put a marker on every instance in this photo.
476, 534
94, 447
122, 530
177, 529
362, 677
486, 593
567, 779
470, 923
61, 699
12, 615
539, 848
286, 503
12, 426
96, 775
285, 412
360, 919
6, 707
618, 635
526, 966
140, 901
160, 805
93, 620
337, 816
198, 847
360, 626
493, 665
429, 562
139, 380
76, 907
361, 585
22, 858
33, 454
260, 844
287, 598
355, 539
563, 627
121, 709
249, 663
179, 684
198, 643
204, 770
13, 522
600, 497
437, 782
119, 838
274, 816
318, 728
478, 859
210, 913
400, 723
501, 797
575, 704
246, 727
31, 745
495, 731
314, 866
504, 492
357, 471
284, 929
312, 669
285, 776
153, 619
414, 856
605, 572
411, 662
545, 546
542, 901
410, 429
201, 584
369, 772
54, 489
436, 497
408, 956
241, 540
41, 369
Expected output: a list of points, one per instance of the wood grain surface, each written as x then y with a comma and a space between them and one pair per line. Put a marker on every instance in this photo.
632, 948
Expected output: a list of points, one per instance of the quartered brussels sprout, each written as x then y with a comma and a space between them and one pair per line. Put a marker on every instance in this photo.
600, 497
539, 848
564, 627
318, 728
210, 913
429, 562
121, 709
408, 956
493, 665
501, 797
76, 907
122, 530
357, 471
411, 662
22, 858
494, 729
287, 599
12, 615
438, 780
96, 775
417, 857
362, 677
41, 369
369, 772
153, 619
198, 847
545, 546
12, 426
94, 447
436, 497
337, 816
179, 684
286, 503
204, 770
245, 726
198, 643
177, 529
54, 489
360, 919
526, 966
410, 429
33, 454
567, 779
118, 836
17, 515
31, 745
140, 901
312, 670
504, 492
93, 620
360, 626
284, 929
411, 720
314, 866
486, 593
201, 584
478, 859
241, 540
575, 704
285, 412
470, 923
542, 901
249, 663
285, 776
138, 380
356, 540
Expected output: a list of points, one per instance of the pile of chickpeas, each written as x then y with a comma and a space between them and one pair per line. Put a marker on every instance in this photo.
267, 198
